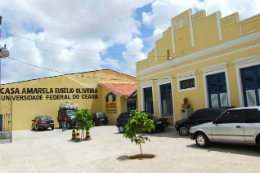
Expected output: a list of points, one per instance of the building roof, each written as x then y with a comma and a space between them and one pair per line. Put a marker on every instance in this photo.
77, 74
122, 89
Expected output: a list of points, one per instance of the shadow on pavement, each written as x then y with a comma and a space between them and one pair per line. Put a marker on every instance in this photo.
230, 148
41, 130
123, 158
118, 133
167, 133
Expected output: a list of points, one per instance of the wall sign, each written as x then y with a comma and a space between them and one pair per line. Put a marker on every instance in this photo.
111, 106
24, 94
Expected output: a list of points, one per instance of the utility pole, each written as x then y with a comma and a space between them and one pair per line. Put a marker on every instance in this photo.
0, 63
3, 54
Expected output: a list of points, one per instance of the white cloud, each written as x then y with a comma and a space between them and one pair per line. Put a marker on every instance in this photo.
132, 54
164, 10
89, 25
246, 8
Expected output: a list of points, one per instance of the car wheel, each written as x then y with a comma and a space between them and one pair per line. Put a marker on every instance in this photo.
258, 142
52, 128
183, 131
202, 140
121, 129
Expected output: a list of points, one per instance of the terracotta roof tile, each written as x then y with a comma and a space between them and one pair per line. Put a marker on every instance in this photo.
123, 89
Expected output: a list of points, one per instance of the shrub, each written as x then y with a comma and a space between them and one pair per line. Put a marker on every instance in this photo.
138, 123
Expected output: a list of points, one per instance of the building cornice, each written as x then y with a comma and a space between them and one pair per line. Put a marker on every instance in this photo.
203, 60
214, 67
202, 53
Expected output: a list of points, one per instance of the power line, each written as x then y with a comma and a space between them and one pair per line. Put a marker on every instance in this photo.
43, 68
73, 56
86, 50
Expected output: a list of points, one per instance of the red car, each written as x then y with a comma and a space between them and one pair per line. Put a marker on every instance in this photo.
43, 122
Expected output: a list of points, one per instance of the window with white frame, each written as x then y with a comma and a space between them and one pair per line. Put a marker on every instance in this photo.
187, 81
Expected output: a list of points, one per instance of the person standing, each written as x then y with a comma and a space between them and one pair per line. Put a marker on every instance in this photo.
63, 123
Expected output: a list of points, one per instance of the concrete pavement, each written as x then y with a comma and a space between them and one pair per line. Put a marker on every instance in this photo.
53, 151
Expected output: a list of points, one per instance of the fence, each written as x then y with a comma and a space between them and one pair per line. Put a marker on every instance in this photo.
170, 118
6, 135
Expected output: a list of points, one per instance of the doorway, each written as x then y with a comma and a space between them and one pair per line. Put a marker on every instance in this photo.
217, 90
251, 85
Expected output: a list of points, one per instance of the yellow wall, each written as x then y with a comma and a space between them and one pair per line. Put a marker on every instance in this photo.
120, 102
25, 111
217, 40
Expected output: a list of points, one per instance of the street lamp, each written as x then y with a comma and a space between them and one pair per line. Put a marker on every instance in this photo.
3, 51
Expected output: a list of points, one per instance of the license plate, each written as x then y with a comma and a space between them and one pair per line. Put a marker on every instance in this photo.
102, 119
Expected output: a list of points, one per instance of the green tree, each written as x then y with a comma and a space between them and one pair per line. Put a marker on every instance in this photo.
84, 120
138, 123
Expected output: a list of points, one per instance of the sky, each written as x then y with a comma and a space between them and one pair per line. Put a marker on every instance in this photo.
49, 38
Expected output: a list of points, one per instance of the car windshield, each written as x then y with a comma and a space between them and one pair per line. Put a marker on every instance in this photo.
100, 115
45, 118
71, 112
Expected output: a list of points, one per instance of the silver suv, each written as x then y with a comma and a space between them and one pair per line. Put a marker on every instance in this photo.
239, 126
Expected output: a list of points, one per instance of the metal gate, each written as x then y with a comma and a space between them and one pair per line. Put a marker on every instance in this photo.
6, 119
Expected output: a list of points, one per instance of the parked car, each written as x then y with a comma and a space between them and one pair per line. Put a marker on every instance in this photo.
239, 126
42, 122
70, 114
100, 118
160, 123
200, 116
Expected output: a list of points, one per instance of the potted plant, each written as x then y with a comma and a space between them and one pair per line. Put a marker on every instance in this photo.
137, 124
84, 120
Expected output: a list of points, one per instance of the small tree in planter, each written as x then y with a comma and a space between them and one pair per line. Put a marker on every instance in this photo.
138, 123
84, 120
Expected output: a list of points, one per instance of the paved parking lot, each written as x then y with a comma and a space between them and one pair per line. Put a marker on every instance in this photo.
52, 151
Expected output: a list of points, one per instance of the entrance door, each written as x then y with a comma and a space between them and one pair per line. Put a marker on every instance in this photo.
166, 98
131, 105
217, 90
148, 100
251, 85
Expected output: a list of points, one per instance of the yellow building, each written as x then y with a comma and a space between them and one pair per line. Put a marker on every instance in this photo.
213, 61
100, 91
